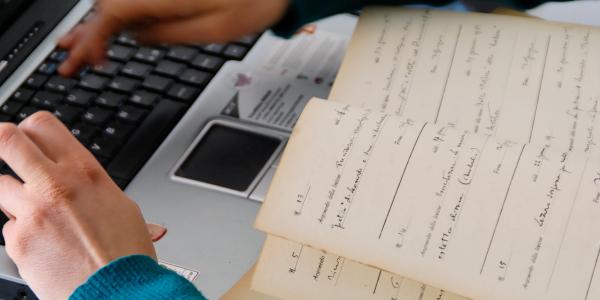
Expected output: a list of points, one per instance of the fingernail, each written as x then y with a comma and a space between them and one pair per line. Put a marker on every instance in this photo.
156, 231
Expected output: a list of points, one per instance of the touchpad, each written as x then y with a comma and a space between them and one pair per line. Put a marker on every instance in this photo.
228, 157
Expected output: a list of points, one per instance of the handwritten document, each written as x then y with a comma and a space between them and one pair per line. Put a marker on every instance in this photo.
301, 272
515, 78
459, 150
472, 214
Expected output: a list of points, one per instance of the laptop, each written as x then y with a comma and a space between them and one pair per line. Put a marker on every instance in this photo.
174, 126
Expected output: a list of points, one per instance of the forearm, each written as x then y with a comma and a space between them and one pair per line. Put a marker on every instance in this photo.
301, 12
136, 277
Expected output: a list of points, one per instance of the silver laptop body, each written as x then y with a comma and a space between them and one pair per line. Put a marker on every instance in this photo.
210, 237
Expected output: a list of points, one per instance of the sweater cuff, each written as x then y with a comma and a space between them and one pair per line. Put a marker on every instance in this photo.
135, 277
301, 12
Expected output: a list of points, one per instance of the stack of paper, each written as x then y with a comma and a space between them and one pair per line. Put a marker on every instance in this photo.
457, 156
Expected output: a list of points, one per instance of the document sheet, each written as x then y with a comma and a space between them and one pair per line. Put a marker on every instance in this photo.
517, 78
458, 150
479, 216
296, 272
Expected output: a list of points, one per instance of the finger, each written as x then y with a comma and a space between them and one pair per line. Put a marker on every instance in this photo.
85, 48
68, 40
7, 232
156, 231
10, 232
206, 29
51, 136
10, 195
77, 57
21, 154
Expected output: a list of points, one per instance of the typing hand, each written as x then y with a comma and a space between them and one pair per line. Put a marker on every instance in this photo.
68, 218
167, 21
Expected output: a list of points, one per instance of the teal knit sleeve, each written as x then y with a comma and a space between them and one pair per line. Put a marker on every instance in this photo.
301, 12
136, 277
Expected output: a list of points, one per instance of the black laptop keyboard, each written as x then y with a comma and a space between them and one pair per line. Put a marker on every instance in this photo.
123, 110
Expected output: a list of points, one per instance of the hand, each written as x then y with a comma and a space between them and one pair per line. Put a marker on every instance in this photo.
67, 218
167, 21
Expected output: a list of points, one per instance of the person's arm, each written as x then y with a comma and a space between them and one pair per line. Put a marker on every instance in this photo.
136, 277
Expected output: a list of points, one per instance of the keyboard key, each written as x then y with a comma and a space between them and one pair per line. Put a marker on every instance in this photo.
93, 82
23, 95
144, 98
60, 84
104, 147
182, 53
97, 116
208, 62
84, 132
83, 72
214, 48
136, 69
26, 112
195, 77
36, 81
248, 40
163, 46
126, 39
235, 51
110, 100
11, 107
131, 114
144, 141
59, 55
124, 84
149, 55
117, 131
109, 68
48, 68
169, 68
157, 83
120, 53
47, 100
80, 97
183, 92
68, 114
